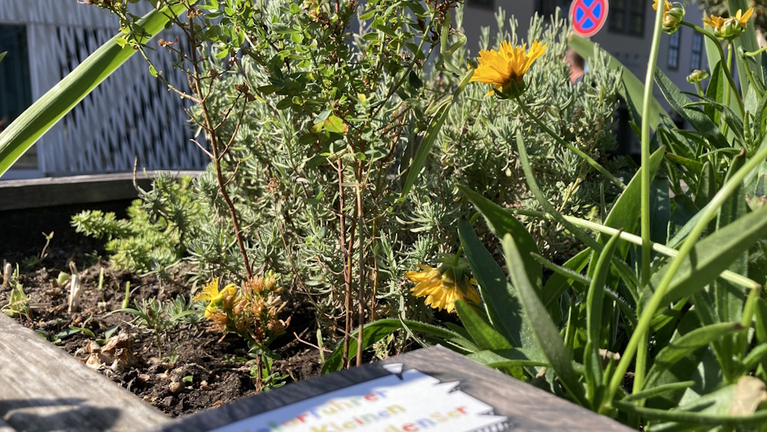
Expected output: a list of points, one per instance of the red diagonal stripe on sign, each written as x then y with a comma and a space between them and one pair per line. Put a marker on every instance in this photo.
588, 13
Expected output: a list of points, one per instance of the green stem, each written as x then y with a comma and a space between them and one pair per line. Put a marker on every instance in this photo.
708, 214
755, 53
646, 179
700, 89
569, 146
727, 275
725, 68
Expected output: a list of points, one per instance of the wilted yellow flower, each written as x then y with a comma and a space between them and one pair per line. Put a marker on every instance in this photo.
729, 28
213, 296
666, 6
672, 16
251, 311
505, 69
443, 288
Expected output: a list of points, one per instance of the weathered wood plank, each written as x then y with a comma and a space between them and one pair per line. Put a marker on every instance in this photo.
42, 388
53, 191
528, 408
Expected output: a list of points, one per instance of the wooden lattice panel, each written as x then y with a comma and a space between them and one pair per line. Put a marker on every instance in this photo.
130, 115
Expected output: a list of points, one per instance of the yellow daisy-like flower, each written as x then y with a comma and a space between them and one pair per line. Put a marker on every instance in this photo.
211, 294
505, 69
442, 289
729, 28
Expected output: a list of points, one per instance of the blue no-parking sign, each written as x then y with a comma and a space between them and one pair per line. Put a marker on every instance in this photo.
588, 16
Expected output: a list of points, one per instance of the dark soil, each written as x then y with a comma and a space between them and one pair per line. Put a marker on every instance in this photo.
199, 368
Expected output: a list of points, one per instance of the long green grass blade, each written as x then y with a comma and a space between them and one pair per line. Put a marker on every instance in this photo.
502, 222
699, 120
486, 337
713, 255
695, 418
509, 358
499, 296
432, 132
594, 301
683, 346
545, 331
633, 87
33, 123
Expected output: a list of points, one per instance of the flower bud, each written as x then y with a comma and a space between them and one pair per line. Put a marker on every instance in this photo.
729, 30
512, 89
672, 19
697, 76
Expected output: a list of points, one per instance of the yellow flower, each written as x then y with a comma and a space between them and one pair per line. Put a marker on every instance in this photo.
729, 28
211, 294
442, 289
505, 69
666, 7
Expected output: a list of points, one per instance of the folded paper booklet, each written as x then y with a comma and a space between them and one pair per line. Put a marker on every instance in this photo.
405, 401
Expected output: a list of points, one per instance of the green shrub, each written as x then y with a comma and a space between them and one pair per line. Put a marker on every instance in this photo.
157, 230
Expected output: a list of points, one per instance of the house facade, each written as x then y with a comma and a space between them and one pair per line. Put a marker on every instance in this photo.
129, 116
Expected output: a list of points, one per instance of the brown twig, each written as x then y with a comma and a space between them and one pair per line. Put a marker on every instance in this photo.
215, 150
347, 264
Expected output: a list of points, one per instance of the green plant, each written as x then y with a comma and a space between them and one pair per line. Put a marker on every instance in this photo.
18, 302
32, 262
266, 376
157, 231
346, 184
161, 317
664, 330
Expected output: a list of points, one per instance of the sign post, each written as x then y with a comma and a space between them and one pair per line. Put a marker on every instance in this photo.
588, 16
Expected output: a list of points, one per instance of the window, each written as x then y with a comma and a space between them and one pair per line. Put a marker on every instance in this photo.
484, 4
627, 17
15, 86
697, 51
673, 50
549, 7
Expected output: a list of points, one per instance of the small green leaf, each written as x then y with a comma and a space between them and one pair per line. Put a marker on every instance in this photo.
481, 333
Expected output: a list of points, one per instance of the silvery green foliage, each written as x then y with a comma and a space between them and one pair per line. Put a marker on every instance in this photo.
479, 148
286, 193
283, 176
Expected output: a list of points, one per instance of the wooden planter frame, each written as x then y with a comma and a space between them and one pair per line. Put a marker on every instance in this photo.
42, 388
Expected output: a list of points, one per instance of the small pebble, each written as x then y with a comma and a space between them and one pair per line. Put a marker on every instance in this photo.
144, 378
176, 387
204, 386
168, 401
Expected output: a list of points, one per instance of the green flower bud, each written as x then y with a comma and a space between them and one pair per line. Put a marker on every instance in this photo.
697, 76
513, 89
729, 30
673, 19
